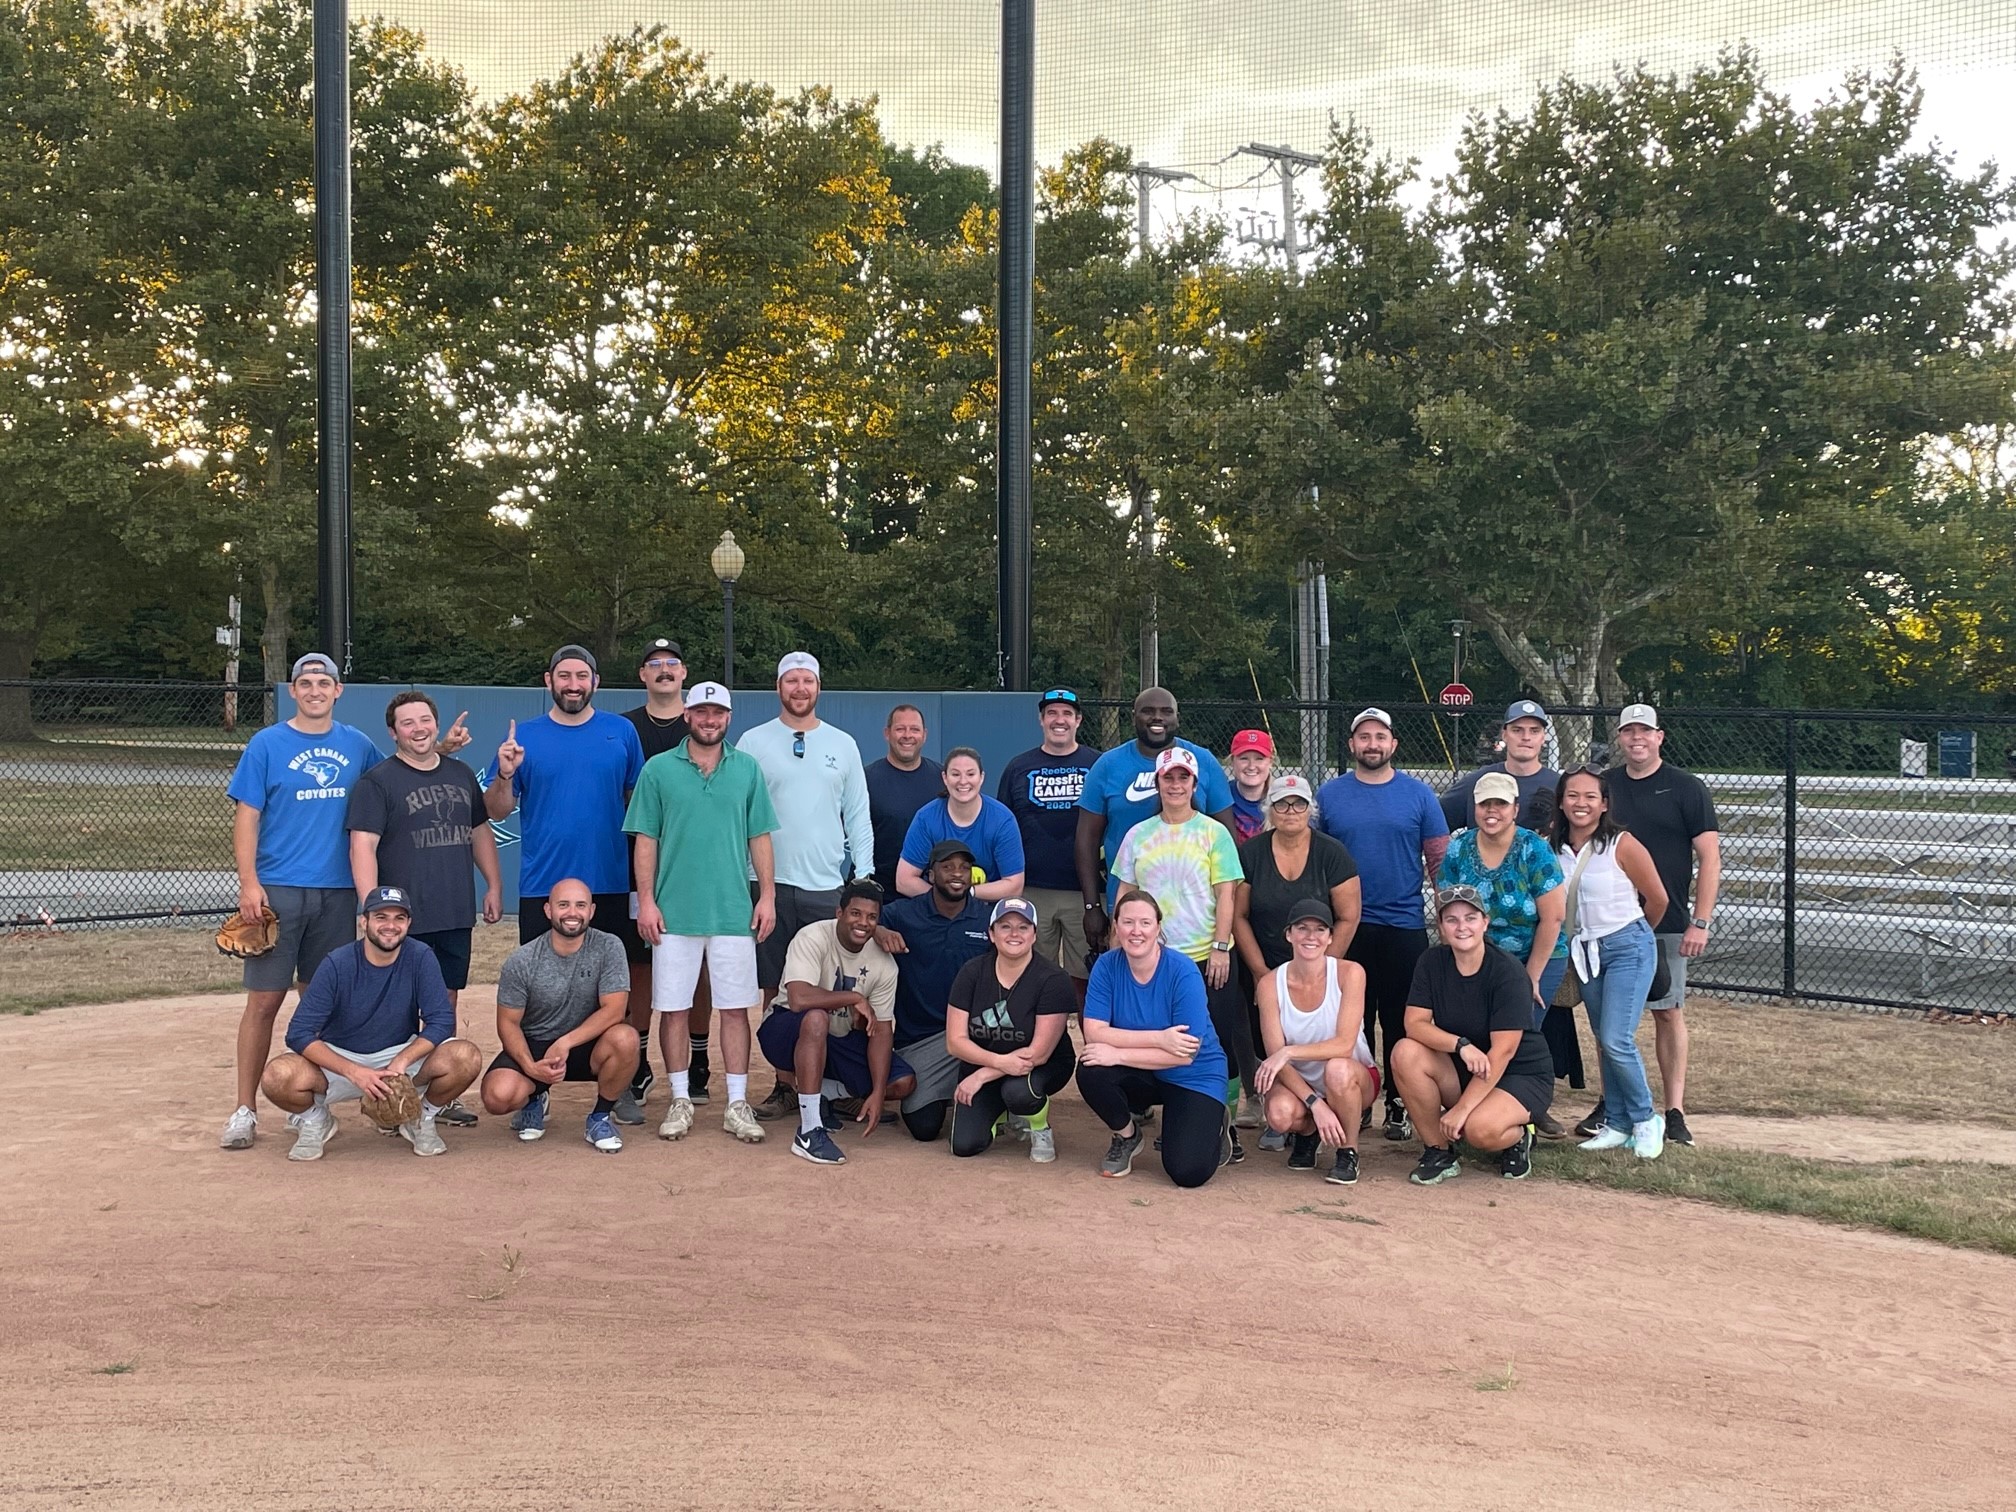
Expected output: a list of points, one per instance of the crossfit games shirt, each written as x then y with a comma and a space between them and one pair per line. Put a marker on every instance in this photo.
1042, 792
300, 784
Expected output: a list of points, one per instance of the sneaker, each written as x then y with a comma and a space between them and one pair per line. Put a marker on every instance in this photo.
1042, 1146
815, 1145
1345, 1171
1144, 1118
529, 1122
678, 1119
1677, 1131
844, 1107
1015, 1126
1648, 1139
1120, 1154
1273, 1139
1606, 1138
1436, 1164
1594, 1124
1238, 1151
1302, 1152
642, 1083
423, 1136
1398, 1126
240, 1130
1365, 1119
1248, 1116
457, 1116
1547, 1126
830, 1118
629, 1107
740, 1120
781, 1103
601, 1133
1516, 1164
696, 1081
311, 1134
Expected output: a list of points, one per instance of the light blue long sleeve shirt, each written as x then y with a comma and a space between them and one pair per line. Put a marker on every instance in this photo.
821, 799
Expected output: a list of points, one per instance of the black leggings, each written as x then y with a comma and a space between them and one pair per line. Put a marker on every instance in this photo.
1229, 1010
1193, 1123
973, 1123
928, 1122
1388, 953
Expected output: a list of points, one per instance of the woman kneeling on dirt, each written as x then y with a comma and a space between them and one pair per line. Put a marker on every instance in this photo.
1473, 1066
1006, 1026
1149, 1043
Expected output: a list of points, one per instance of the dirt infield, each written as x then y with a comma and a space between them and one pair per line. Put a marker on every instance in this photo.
707, 1325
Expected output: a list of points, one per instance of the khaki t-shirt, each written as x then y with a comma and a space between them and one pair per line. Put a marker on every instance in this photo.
816, 959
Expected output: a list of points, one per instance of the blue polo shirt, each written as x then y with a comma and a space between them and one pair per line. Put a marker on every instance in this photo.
1121, 786
1174, 995
937, 948
1384, 825
572, 788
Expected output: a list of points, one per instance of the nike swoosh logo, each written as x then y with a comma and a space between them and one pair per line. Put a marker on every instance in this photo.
1142, 788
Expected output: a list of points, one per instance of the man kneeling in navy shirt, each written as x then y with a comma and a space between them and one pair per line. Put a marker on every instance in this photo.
377, 1007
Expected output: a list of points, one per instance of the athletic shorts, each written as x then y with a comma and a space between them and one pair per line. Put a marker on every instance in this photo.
579, 1067
313, 922
342, 1089
938, 1074
1534, 1093
796, 907
1676, 968
1060, 927
846, 1054
612, 916
451, 949
1312, 1073
731, 971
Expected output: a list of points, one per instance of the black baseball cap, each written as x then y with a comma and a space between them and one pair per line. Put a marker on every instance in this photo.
945, 850
661, 647
1313, 908
387, 897
1056, 696
572, 652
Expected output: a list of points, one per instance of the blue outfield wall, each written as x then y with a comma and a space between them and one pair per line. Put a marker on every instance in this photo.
997, 725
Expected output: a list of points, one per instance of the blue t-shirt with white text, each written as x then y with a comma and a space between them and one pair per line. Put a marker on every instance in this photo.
1121, 787
572, 789
300, 784
1042, 792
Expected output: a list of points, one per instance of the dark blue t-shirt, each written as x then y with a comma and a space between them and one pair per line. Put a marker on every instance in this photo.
1384, 825
1174, 995
353, 1005
996, 842
1042, 792
1121, 786
572, 788
894, 796
937, 948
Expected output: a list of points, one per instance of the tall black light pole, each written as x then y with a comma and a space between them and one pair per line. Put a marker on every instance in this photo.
1015, 326
332, 325
728, 561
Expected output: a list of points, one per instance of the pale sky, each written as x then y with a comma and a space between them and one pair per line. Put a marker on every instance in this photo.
1183, 82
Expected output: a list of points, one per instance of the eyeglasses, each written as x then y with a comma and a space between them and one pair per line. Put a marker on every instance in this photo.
663, 663
1293, 805
798, 745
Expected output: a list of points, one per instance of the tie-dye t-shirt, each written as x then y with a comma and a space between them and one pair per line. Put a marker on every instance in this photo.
1178, 865
1511, 890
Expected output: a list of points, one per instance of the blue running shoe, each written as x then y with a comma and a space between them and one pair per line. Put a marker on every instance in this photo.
817, 1146
529, 1122
602, 1133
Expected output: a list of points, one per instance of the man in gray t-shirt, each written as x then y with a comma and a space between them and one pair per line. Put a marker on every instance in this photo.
562, 1006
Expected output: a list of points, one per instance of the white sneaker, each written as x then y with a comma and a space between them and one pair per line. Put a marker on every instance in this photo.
678, 1119
422, 1135
312, 1133
1042, 1146
1648, 1139
240, 1131
1607, 1138
740, 1120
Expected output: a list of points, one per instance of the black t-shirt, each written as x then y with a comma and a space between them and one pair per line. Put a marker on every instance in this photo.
1042, 792
1004, 1020
1274, 896
1663, 813
424, 822
894, 796
1536, 798
1499, 996
656, 737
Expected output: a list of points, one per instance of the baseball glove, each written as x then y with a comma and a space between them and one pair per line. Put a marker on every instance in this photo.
243, 940
400, 1104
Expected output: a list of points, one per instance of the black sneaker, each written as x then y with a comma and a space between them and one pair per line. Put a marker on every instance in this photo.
1302, 1152
457, 1115
1677, 1131
1345, 1171
1365, 1119
830, 1117
781, 1103
642, 1083
1230, 1151
1547, 1126
1398, 1126
1594, 1124
696, 1082
1516, 1164
1120, 1154
1436, 1164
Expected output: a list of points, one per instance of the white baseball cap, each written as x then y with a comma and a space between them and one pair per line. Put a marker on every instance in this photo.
709, 693
798, 661
1643, 714
1370, 714
1175, 756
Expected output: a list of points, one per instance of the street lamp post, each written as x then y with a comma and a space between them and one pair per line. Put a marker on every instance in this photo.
728, 560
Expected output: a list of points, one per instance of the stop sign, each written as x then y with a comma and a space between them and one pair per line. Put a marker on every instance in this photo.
1455, 696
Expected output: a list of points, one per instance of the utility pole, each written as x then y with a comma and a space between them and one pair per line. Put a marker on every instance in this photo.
334, 558
1015, 340
1144, 496
1312, 585
229, 635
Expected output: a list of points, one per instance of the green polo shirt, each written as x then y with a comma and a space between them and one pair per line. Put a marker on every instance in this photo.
703, 825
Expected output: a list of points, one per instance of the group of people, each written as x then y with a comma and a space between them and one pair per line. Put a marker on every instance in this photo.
891, 937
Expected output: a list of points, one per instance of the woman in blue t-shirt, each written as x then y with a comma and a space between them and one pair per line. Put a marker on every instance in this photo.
966, 814
1149, 1043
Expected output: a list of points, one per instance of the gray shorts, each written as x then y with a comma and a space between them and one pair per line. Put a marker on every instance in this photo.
1676, 967
1060, 928
313, 922
938, 1074
796, 907
342, 1089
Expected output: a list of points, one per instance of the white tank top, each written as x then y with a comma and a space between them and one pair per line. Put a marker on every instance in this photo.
1320, 1022
1605, 900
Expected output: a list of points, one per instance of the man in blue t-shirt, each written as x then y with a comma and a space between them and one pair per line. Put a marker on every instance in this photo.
1041, 788
1393, 826
1120, 793
569, 773
376, 1009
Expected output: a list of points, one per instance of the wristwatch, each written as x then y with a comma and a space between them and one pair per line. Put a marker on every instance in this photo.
1462, 1044
1310, 1101
1700, 924
1223, 947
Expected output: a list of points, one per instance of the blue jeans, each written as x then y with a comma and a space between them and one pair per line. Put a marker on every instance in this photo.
1615, 998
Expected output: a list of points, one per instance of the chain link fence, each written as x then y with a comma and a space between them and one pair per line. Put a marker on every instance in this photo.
1866, 858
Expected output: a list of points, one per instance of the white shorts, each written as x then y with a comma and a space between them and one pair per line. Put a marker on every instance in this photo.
342, 1089
731, 971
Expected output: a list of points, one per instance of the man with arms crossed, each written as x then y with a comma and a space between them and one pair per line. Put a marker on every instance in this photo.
899, 784
820, 796
1670, 813
702, 818
1525, 735
562, 1005
417, 823
1393, 827
660, 722
376, 1008
1041, 788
